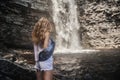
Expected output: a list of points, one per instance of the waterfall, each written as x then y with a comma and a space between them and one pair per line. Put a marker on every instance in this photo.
66, 25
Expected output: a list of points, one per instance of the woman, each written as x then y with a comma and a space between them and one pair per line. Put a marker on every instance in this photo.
41, 40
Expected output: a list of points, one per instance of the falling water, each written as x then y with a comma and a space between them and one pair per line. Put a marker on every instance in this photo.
66, 25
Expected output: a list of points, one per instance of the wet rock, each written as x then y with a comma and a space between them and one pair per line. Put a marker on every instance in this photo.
10, 57
87, 77
103, 65
98, 22
18, 18
12, 71
3, 77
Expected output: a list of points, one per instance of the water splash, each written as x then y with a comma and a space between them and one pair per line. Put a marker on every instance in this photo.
66, 24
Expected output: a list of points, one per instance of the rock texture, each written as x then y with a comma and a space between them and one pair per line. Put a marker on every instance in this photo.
100, 23
11, 71
103, 65
17, 18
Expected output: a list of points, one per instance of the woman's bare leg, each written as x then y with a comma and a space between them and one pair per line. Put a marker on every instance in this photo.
38, 75
48, 75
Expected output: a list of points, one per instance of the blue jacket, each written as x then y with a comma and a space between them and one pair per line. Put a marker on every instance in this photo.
47, 53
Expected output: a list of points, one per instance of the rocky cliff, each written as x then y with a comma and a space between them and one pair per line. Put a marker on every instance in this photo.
99, 22
17, 18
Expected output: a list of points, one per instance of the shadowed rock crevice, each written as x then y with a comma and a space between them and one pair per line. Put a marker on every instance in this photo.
15, 72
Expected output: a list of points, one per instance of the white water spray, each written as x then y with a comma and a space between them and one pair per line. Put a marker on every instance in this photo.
67, 26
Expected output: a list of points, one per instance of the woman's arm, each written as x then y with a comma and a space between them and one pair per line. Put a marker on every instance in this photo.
36, 53
46, 41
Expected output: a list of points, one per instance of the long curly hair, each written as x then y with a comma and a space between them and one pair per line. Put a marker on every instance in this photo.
40, 28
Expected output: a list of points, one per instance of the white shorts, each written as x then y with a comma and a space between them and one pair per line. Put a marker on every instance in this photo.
45, 65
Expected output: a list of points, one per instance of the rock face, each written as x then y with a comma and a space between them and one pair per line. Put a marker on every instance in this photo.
103, 65
11, 71
17, 18
100, 23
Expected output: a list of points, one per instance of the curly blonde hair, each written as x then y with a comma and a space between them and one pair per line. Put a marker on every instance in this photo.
41, 27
